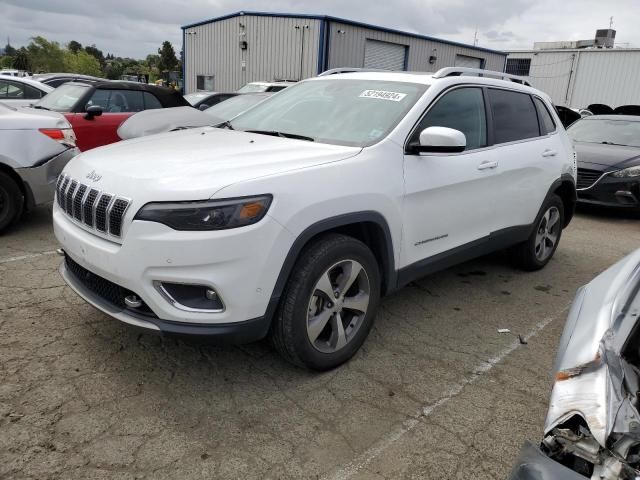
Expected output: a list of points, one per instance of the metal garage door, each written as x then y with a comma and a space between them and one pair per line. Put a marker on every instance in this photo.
469, 62
384, 55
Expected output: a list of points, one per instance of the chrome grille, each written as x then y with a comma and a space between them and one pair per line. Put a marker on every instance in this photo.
69, 198
77, 202
586, 177
88, 207
115, 216
101, 212
62, 191
96, 210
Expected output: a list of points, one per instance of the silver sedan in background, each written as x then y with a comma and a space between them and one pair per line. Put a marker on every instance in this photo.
35, 145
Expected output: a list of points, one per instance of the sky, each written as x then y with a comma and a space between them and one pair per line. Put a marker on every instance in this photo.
135, 28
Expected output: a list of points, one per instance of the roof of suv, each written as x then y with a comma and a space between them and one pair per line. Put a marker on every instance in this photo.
430, 78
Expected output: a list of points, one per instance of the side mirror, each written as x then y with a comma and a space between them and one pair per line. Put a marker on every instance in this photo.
440, 140
204, 106
93, 111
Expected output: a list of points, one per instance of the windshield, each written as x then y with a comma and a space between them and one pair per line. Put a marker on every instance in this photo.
63, 98
234, 106
350, 112
253, 88
618, 132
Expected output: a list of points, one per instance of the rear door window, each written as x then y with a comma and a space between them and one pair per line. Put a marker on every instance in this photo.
151, 101
547, 125
11, 90
118, 101
514, 116
32, 93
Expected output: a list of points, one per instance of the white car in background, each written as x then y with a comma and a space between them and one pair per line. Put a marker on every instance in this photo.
257, 87
35, 145
294, 219
21, 91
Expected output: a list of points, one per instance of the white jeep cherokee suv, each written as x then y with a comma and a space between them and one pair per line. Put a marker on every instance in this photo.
294, 218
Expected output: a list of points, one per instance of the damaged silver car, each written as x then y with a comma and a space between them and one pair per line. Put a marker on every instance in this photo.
592, 428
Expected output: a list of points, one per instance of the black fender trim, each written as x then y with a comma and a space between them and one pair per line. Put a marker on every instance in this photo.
565, 178
369, 216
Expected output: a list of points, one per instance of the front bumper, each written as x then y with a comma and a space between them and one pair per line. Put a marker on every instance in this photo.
40, 181
237, 333
241, 265
612, 192
532, 464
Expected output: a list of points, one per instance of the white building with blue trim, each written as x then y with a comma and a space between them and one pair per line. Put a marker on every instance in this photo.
224, 53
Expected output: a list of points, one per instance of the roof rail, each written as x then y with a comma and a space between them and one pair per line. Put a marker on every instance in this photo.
334, 71
457, 71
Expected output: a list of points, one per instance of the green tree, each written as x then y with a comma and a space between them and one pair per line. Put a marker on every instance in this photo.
81, 62
96, 53
168, 61
45, 56
9, 51
74, 46
21, 60
6, 62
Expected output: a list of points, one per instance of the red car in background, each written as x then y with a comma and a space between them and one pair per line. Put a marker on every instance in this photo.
96, 110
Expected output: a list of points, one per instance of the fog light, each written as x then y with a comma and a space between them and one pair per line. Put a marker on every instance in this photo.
211, 294
191, 297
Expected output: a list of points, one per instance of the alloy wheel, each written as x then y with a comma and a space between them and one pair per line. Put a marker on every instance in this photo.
547, 234
337, 306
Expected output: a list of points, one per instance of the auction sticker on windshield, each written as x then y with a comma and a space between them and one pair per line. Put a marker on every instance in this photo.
383, 95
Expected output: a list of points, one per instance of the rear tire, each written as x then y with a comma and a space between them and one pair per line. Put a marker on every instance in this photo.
538, 249
329, 303
11, 201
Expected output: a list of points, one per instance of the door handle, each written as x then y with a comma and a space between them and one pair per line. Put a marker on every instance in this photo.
487, 165
549, 153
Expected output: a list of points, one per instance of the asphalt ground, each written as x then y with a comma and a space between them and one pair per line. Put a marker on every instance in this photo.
436, 392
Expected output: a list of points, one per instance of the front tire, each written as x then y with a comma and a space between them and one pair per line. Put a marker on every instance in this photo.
537, 250
329, 303
11, 201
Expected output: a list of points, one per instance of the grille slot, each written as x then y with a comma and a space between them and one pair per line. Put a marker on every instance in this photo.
77, 202
88, 207
61, 197
59, 183
115, 216
69, 198
586, 177
103, 212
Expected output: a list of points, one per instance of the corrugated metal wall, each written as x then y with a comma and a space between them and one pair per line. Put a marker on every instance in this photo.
347, 45
274, 50
609, 77
579, 78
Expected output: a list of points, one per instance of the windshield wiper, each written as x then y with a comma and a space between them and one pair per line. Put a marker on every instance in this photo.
274, 133
605, 142
225, 124
40, 107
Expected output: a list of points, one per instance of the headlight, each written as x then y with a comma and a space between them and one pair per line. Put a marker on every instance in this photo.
627, 172
207, 214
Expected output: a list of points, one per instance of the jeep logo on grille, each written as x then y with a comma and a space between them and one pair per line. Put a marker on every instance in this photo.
93, 176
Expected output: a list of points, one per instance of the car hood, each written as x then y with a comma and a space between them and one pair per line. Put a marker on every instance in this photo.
149, 122
592, 377
194, 164
606, 157
25, 118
